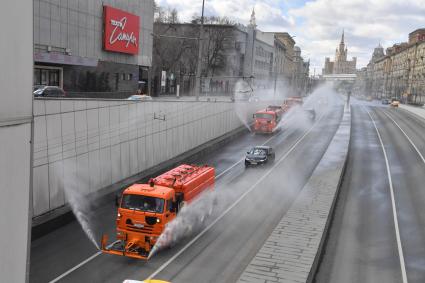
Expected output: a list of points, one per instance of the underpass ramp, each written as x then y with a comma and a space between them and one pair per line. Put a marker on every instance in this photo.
292, 252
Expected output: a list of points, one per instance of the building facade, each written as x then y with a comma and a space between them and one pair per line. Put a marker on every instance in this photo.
263, 61
301, 72
231, 52
93, 46
176, 52
279, 53
289, 67
340, 65
400, 72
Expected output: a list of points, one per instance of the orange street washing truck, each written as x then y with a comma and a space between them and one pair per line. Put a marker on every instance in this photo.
292, 101
267, 120
298, 101
145, 209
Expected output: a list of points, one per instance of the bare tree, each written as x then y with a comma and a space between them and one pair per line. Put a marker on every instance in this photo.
173, 17
165, 15
217, 39
174, 50
213, 20
218, 34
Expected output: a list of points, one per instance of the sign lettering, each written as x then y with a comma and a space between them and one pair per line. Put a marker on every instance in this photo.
121, 31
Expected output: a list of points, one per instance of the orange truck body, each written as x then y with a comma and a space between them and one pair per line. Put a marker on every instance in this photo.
138, 228
267, 120
292, 101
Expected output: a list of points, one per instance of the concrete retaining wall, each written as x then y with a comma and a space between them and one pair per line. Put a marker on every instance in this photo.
97, 143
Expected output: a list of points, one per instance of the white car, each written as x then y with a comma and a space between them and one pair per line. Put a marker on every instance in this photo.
140, 97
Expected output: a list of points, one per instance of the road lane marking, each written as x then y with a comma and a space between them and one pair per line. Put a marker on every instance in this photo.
408, 138
218, 176
99, 252
75, 267
243, 158
397, 230
168, 262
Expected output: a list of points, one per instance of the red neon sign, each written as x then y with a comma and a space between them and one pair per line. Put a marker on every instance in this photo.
121, 31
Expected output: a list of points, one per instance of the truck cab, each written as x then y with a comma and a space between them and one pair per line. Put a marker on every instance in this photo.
145, 209
293, 101
143, 212
266, 121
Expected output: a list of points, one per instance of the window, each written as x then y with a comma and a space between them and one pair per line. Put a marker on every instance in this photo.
123, 76
169, 204
257, 151
117, 79
129, 77
46, 76
264, 116
142, 203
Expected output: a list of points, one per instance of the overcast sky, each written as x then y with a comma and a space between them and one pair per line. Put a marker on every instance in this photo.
317, 25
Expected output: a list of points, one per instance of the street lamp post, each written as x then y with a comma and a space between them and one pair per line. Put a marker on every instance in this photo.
199, 62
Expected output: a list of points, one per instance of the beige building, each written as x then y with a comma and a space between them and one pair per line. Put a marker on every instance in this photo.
289, 43
401, 72
288, 65
301, 71
279, 52
341, 65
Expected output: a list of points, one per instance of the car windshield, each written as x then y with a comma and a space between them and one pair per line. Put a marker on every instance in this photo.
264, 116
142, 203
257, 151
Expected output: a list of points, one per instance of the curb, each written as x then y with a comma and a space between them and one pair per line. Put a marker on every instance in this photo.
52, 220
414, 110
325, 236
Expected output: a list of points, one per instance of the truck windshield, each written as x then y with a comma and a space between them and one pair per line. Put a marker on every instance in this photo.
142, 203
264, 116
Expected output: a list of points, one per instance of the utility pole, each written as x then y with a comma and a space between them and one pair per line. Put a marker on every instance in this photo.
199, 62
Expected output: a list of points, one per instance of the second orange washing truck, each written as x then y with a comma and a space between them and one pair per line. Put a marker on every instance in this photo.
267, 120
145, 209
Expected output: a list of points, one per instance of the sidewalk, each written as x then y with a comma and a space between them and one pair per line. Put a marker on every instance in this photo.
293, 250
418, 110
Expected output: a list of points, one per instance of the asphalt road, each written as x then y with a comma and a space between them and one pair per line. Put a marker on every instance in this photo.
221, 254
362, 244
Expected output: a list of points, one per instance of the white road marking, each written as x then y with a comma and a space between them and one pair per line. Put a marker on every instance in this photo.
99, 253
162, 267
408, 138
218, 176
242, 159
397, 230
75, 267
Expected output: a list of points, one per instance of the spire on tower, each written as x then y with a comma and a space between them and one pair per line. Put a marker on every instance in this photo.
252, 20
342, 37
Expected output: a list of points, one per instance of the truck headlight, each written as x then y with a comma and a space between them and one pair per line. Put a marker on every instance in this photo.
158, 220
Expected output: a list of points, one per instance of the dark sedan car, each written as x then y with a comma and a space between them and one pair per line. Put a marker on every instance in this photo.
49, 91
259, 155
